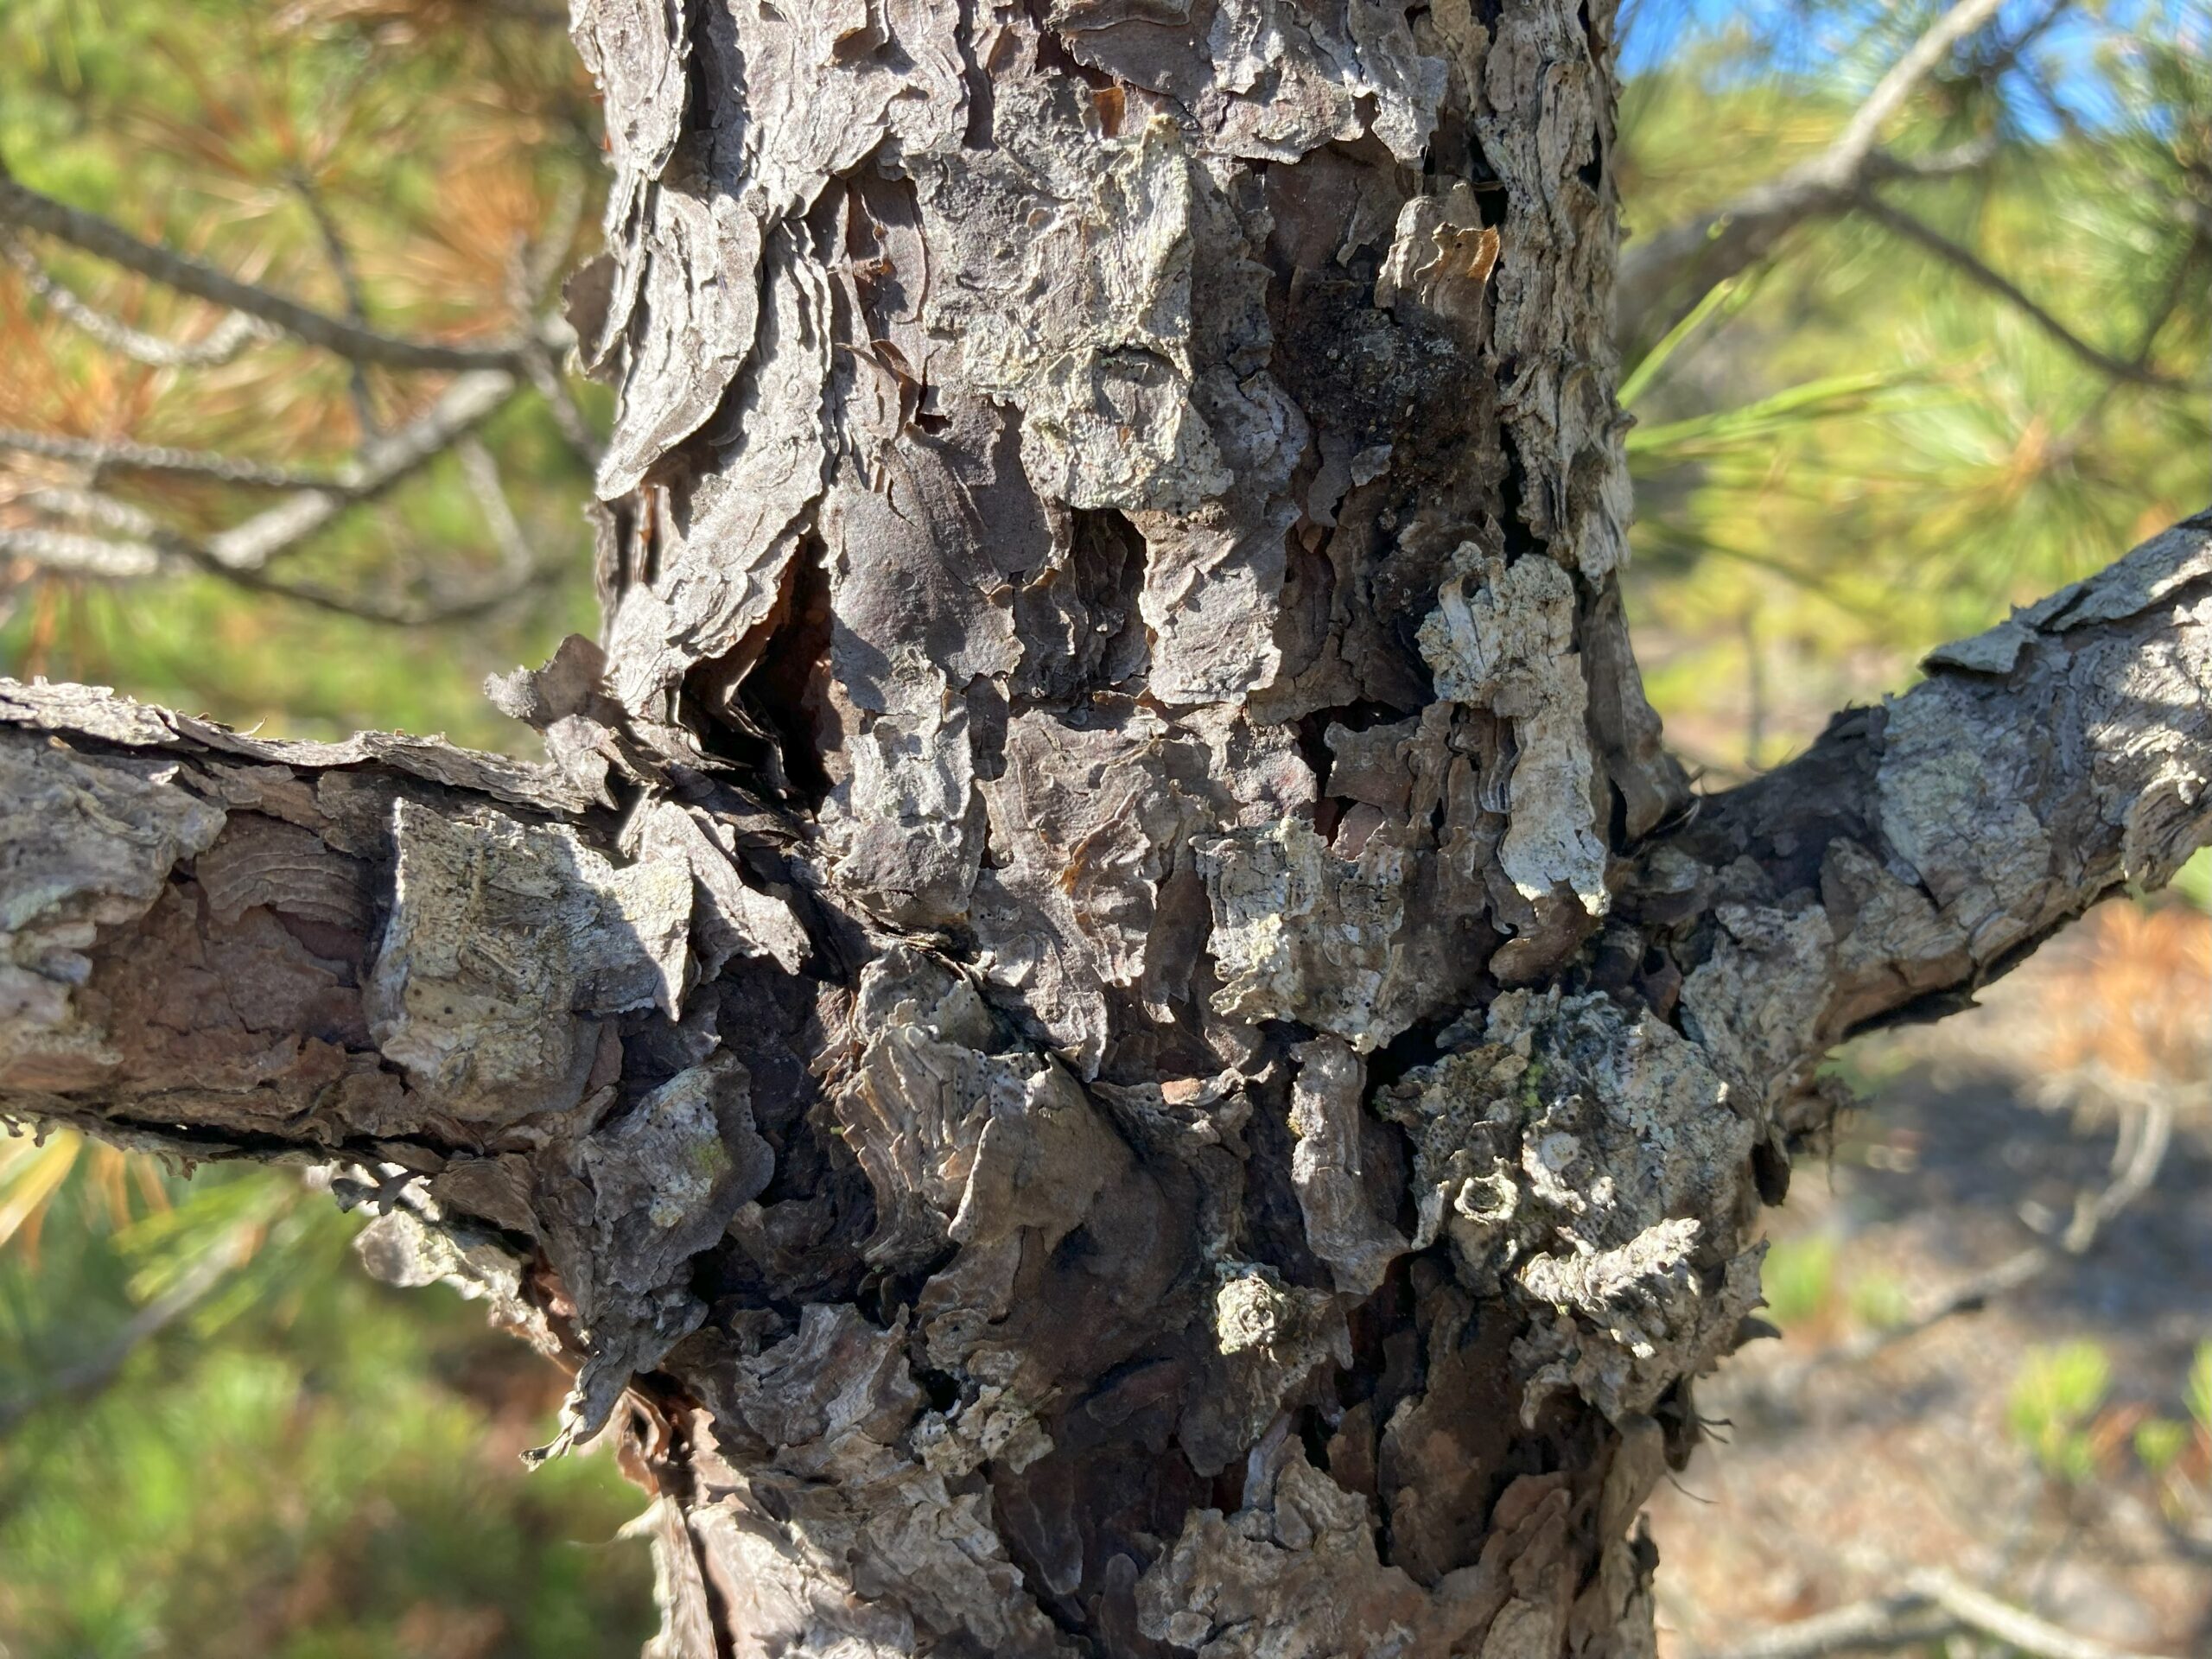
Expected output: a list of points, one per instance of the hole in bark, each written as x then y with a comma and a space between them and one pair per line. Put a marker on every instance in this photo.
1274, 1223
1512, 487
1313, 738
1314, 1433
1053, 56
1107, 558
1490, 189
943, 1389
782, 694
1770, 1170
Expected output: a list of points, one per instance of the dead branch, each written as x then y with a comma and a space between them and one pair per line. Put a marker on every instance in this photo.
91, 507
457, 608
65, 553
136, 545
349, 284
2136, 1156
466, 404
481, 470
545, 378
164, 551
103, 455
232, 334
1856, 142
2146, 1134
1882, 1624
1933, 1604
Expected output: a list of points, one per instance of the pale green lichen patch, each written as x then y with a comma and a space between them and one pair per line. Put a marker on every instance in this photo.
1587, 1163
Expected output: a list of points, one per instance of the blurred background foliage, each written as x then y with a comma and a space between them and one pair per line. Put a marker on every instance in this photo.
1857, 453
215, 1436
452, 149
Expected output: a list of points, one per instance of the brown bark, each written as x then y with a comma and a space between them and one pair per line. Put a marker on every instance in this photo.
1108, 1017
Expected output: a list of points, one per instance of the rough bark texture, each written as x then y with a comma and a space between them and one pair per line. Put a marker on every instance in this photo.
1110, 1033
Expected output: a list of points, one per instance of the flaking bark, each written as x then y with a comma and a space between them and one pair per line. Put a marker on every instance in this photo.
1107, 1034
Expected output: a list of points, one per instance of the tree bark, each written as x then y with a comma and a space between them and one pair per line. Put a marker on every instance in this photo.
1110, 1033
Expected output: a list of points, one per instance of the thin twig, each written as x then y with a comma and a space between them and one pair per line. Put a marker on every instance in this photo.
461, 607
546, 378
349, 284
1732, 239
66, 553
232, 334
175, 544
1879, 1625
23, 206
466, 403
91, 507
1977, 1609
1970, 265
547, 251
2136, 1156
242, 554
2180, 285
118, 454
1920, 60
482, 473
1931, 1605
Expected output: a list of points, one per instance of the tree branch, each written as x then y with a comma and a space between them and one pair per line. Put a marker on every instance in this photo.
466, 404
142, 546
1933, 1605
1690, 258
105, 455
388, 952
27, 208
349, 284
2141, 1150
232, 334
66, 553
1970, 265
1921, 848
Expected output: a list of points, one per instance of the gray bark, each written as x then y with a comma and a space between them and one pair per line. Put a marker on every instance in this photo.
1111, 1031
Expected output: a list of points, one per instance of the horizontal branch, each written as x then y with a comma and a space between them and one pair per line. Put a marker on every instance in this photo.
102, 454
1919, 849
133, 553
1688, 260
136, 545
397, 954
28, 209
482, 601
68, 553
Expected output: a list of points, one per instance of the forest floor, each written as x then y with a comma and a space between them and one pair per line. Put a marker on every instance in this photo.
2002, 1443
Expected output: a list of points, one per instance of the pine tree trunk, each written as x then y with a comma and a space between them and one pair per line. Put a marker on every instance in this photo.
1044, 440
1107, 1036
